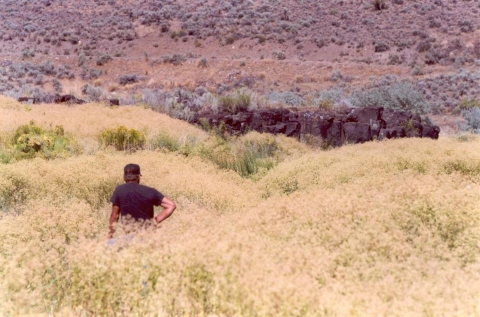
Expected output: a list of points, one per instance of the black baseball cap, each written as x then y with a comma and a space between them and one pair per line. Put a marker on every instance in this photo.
132, 169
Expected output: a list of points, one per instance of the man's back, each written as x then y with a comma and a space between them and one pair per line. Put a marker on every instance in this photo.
136, 200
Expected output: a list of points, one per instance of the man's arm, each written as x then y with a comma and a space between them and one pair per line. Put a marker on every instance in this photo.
114, 216
168, 208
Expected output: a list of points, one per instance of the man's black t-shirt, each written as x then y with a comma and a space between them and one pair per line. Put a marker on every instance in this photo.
136, 200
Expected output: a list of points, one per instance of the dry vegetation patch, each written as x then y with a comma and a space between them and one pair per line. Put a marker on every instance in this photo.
384, 228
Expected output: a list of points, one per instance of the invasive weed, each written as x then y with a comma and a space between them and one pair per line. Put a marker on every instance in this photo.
309, 230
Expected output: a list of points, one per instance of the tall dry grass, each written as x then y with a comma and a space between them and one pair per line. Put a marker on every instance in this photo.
379, 229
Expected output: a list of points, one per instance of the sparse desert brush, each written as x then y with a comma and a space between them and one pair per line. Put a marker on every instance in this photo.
175, 59
287, 98
102, 60
279, 55
93, 92
203, 62
128, 79
299, 79
230, 39
399, 95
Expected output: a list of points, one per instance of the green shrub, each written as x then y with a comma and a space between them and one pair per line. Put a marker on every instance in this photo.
14, 191
236, 103
199, 285
426, 214
466, 104
399, 95
463, 167
166, 143
472, 117
123, 139
246, 158
326, 104
31, 141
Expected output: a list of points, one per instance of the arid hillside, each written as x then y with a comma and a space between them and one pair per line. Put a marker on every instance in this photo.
276, 50
265, 225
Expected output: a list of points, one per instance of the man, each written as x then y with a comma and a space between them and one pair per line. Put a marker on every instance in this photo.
135, 202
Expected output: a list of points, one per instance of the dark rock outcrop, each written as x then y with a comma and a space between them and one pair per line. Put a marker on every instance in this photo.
356, 132
113, 102
29, 100
348, 126
70, 99
430, 131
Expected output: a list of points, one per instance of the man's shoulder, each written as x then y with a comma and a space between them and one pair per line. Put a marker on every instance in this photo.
135, 187
125, 187
147, 188
122, 186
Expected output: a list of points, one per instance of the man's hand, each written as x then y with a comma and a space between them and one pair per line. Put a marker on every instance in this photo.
114, 216
168, 208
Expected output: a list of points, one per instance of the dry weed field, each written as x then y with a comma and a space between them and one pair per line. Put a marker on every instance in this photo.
379, 229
